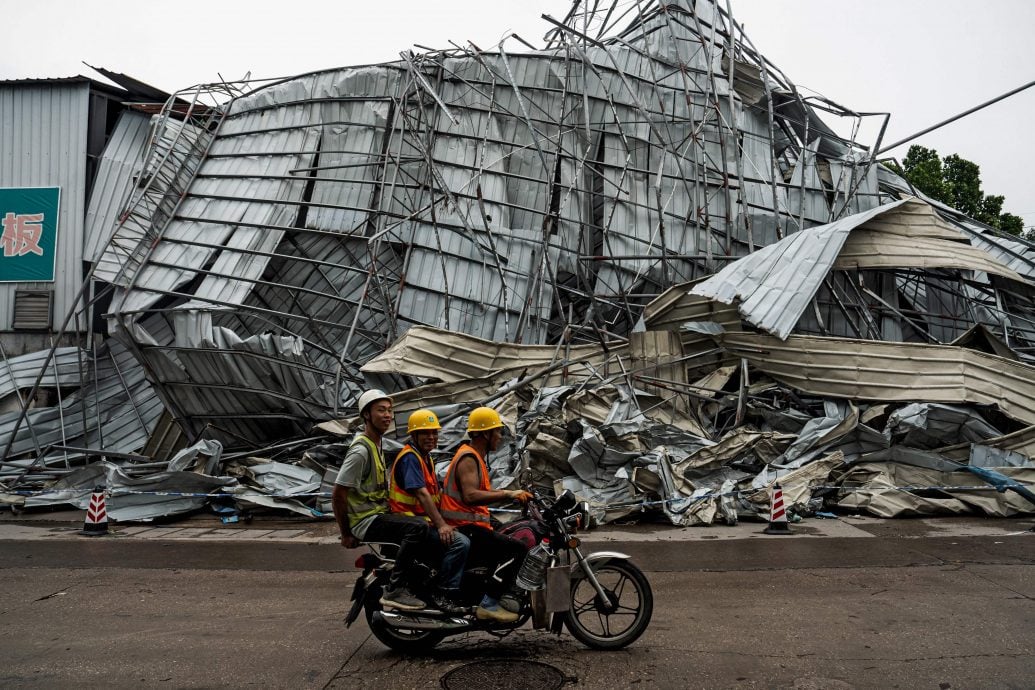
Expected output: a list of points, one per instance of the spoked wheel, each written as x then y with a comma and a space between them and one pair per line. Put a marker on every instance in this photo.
404, 641
621, 618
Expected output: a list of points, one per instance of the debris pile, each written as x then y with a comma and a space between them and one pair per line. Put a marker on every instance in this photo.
640, 243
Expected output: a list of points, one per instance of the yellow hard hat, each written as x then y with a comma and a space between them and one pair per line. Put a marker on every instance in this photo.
422, 420
483, 419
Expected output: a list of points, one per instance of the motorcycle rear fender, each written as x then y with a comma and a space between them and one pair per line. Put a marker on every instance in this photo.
359, 595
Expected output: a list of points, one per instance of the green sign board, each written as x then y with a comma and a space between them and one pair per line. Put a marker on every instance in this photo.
28, 233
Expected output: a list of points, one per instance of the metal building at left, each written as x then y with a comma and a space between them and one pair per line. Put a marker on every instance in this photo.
69, 149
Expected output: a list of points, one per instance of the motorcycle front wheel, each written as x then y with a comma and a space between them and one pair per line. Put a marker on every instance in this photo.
403, 641
620, 619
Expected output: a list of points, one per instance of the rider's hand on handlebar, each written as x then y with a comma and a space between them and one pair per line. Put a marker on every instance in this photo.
349, 541
520, 495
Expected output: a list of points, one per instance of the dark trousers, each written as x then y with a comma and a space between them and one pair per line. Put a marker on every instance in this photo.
493, 550
410, 533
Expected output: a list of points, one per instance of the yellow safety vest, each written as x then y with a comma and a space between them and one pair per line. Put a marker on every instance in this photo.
363, 505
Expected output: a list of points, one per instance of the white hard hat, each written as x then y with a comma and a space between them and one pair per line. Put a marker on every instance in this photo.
370, 396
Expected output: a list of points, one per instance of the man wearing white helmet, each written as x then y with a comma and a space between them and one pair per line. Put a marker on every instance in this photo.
360, 501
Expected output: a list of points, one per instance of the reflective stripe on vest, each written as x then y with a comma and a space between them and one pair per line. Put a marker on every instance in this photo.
402, 501
360, 505
452, 506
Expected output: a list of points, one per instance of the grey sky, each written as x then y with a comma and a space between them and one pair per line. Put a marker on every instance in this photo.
922, 61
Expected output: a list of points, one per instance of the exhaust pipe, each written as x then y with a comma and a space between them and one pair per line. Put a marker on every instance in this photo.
407, 621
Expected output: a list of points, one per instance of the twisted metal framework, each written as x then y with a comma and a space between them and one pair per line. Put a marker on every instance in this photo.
290, 230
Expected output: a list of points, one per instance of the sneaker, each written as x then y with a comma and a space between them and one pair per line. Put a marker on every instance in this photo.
447, 605
495, 613
402, 599
511, 602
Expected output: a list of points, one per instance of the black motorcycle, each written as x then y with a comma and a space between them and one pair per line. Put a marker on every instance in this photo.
602, 598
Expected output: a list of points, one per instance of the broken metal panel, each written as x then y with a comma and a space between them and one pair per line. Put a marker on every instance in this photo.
847, 180
1012, 252
902, 372
873, 249
840, 419
435, 354
174, 153
926, 425
805, 191
881, 238
906, 488
115, 411
1021, 442
678, 306
657, 359
242, 229
798, 484
986, 456
134, 499
67, 367
759, 281
116, 174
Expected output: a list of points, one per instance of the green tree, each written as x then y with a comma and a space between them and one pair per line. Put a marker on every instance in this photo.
923, 168
1012, 224
963, 185
955, 181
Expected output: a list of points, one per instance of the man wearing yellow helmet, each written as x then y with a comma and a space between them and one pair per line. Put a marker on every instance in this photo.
413, 490
466, 495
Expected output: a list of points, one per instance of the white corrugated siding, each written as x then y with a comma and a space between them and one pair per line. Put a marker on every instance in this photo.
43, 144
114, 179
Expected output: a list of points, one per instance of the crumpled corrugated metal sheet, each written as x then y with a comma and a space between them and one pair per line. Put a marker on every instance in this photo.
67, 367
902, 372
774, 286
115, 411
116, 172
435, 354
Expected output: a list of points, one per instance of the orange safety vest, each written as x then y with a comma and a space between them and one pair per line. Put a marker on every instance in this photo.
454, 510
402, 501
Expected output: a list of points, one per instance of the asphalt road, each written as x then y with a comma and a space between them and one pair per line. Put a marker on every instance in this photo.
939, 607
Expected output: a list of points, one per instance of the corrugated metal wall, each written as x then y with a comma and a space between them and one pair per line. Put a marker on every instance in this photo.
43, 144
114, 180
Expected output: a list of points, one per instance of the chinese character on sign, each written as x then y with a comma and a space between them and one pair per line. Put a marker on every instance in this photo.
22, 234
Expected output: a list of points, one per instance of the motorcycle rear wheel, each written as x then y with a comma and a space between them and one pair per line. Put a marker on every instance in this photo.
403, 641
622, 618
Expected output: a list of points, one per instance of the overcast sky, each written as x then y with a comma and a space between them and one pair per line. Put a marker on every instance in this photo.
923, 61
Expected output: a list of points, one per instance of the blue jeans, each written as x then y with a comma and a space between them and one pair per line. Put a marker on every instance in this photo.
454, 558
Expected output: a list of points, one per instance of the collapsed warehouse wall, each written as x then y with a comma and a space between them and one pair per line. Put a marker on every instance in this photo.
497, 193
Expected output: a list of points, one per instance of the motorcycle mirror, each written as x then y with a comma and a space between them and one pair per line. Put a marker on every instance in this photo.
565, 502
585, 517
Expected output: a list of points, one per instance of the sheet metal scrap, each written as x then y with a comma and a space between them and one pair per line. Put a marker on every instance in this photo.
639, 242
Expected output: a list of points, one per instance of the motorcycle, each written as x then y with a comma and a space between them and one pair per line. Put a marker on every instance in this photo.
602, 598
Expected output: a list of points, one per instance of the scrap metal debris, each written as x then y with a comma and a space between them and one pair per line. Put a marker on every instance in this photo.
639, 242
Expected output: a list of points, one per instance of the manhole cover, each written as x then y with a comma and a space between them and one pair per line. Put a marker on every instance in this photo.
503, 674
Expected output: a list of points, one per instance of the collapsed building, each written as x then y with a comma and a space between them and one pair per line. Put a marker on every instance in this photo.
640, 242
